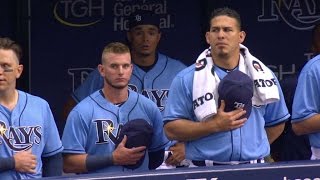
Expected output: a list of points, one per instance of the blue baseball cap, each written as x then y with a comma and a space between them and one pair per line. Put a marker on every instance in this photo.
143, 17
139, 133
236, 89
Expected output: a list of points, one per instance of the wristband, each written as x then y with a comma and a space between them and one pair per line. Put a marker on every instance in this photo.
7, 164
94, 162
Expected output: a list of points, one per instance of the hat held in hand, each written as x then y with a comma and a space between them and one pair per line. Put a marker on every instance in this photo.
236, 89
139, 133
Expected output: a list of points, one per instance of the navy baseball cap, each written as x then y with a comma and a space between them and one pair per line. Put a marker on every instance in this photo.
143, 17
139, 133
236, 89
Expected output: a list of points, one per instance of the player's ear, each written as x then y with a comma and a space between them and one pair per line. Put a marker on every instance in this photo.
208, 37
19, 71
242, 36
101, 70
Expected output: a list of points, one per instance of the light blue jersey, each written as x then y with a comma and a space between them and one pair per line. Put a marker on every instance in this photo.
29, 126
249, 142
94, 124
306, 102
154, 84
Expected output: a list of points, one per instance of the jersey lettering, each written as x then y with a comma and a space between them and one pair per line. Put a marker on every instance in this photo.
20, 138
158, 96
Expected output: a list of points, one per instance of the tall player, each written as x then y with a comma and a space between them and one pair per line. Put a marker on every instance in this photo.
93, 126
306, 102
152, 74
214, 135
30, 145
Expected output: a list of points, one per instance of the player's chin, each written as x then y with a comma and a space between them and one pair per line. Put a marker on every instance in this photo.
222, 53
146, 52
120, 85
3, 86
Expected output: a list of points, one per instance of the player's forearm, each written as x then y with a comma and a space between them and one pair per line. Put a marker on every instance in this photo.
186, 130
308, 126
74, 163
274, 132
81, 163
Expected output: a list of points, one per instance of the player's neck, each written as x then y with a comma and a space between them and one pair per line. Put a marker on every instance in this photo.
116, 96
143, 60
226, 62
9, 99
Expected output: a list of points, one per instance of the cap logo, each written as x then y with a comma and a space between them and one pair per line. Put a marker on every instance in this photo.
138, 18
238, 105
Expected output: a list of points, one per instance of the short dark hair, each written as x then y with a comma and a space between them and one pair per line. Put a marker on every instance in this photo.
225, 11
8, 44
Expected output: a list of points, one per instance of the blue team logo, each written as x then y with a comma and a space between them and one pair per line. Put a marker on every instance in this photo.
20, 138
106, 131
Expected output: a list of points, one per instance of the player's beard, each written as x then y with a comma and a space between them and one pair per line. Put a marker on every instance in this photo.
120, 86
222, 55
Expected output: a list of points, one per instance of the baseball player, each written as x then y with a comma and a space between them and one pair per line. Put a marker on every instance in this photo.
213, 135
29, 141
93, 126
152, 73
306, 104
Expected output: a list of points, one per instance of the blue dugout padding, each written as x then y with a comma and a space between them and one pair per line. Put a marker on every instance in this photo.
295, 170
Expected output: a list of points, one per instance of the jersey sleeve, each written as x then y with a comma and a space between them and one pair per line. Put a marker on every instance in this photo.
159, 140
179, 103
93, 82
53, 143
306, 99
75, 134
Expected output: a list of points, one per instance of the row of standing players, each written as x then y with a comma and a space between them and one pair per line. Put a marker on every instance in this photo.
107, 100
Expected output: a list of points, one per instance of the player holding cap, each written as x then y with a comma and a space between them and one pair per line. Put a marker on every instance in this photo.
92, 130
193, 115
152, 73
